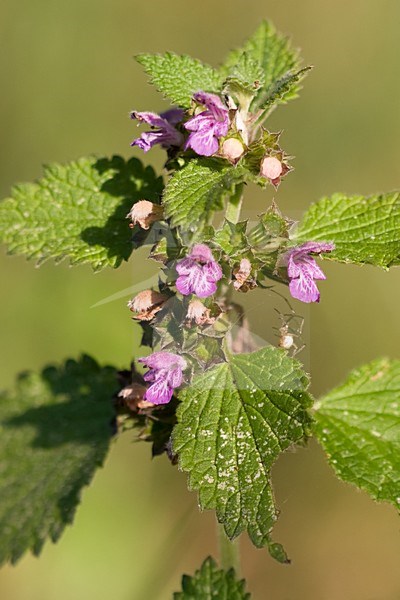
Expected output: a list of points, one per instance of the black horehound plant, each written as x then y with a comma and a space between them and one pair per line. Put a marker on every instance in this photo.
222, 410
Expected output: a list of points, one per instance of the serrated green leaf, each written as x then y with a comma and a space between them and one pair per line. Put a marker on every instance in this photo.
364, 229
178, 77
358, 425
273, 53
78, 211
55, 429
211, 583
195, 192
244, 80
284, 89
233, 422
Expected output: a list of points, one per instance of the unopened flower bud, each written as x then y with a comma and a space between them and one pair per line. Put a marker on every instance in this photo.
145, 213
133, 397
199, 313
147, 304
271, 168
232, 149
243, 282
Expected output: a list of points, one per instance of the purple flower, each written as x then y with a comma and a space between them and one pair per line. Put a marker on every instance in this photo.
207, 126
302, 270
165, 374
165, 132
198, 273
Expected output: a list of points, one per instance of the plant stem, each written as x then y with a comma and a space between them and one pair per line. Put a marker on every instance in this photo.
228, 551
234, 205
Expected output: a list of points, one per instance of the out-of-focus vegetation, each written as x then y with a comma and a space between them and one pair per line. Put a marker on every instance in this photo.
68, 84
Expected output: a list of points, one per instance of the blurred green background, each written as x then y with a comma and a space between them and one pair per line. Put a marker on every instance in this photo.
68, 84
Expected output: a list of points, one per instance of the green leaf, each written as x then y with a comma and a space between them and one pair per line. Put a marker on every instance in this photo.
273, 53
358, 425
364, 229
55, 429
78, 211
284, 89
233, 422
211, 583
179, 77
194, 193
245, 79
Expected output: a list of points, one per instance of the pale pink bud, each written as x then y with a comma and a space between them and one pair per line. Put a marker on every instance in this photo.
271, 167
147, 304
145, 213
232, 149
198, 313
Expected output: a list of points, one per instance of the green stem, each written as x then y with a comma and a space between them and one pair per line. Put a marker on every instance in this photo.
228, 551
234, 206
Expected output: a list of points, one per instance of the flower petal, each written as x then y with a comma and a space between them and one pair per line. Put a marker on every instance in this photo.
173, 115
203, 286
185, 266
184, 285
160, 360
202, 253
203, 142
160, 392
150, 118
303, 288
309, 264
213, 270
175, 377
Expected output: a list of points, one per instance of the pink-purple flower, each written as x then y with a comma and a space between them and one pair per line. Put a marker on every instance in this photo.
164, 131
303, 270
198, 272
208, 126
165, 375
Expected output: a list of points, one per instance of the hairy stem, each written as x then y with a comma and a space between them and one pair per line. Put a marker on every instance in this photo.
234, 205
228, 551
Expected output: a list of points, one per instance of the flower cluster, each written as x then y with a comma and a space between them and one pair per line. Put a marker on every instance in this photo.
206, 127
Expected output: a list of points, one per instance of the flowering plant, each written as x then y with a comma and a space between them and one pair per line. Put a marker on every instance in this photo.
220, 404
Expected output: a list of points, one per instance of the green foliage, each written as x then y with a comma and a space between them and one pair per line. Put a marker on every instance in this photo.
210, 583
231, 238
271, 230
284, 89
273, 53
233, 422
358, 425
244, 80
364, 229
179, 77
56, 427
78, 210
195, 192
